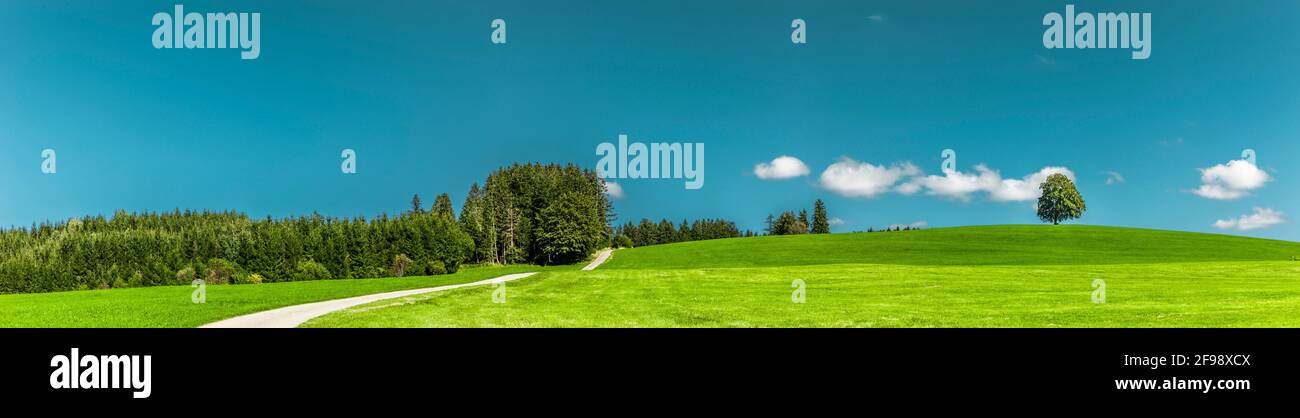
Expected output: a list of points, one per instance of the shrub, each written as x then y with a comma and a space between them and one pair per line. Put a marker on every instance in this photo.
622, 241
120, 284
400, 263
185, 275
251, 278
137, 280
435, 268
311, 270
221, 271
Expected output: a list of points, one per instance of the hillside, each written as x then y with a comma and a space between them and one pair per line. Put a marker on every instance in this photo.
974, 245
989, 276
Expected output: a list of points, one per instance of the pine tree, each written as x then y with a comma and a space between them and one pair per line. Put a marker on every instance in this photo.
442, 206
820, 225
416, 206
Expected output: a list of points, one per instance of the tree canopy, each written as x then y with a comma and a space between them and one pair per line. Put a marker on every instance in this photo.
1060, 200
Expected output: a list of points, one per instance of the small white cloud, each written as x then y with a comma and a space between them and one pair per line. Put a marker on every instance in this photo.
955, 184
850, 178
958, 185
614, 190
878, 17
917, 224
781, 168
1114, 178
1027, 188
835, 221
1261, 218
1231, 181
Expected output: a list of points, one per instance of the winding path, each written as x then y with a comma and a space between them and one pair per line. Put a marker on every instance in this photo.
293, 316
600, 259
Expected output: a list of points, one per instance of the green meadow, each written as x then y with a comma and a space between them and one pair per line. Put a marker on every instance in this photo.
172, 306
991, 276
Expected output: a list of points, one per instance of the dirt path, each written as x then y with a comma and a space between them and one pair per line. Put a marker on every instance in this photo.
293, 316
600, 259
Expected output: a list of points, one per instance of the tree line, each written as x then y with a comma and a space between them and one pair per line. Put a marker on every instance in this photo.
790, 224
648, 232
147, 249
525, 213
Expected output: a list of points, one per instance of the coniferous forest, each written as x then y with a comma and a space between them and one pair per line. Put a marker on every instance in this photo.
525, 213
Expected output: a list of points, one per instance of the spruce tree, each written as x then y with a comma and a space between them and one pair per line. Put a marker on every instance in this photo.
820, 225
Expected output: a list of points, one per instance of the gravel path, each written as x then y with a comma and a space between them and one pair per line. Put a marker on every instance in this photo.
600, 259
293, 316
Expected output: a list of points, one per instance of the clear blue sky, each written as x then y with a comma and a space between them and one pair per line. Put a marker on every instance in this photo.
431, 105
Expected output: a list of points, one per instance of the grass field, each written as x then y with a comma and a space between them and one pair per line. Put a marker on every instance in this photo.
996, 276
170, 306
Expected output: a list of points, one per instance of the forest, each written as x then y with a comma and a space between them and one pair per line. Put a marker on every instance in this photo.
541, 214
525, 213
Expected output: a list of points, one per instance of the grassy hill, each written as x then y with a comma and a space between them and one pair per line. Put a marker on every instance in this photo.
974, 245
988, 276
171, 306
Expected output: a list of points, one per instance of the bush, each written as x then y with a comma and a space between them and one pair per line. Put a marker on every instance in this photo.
435, 268
311, 270
400, 263
185, 276
221, 271
137, 280
251, 278
120, 284
622, 241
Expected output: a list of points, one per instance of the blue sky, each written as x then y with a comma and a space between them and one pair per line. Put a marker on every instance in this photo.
431, 105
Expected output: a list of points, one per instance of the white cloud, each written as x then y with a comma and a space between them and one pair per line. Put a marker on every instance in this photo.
1113, 177
958, 185
835, 221
1231, 181
1026, 188
854, 179
878, 17
1261, 218
955, 184
614, 190
782, 167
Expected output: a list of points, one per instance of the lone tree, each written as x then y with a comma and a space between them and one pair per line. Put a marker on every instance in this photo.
1060, 200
